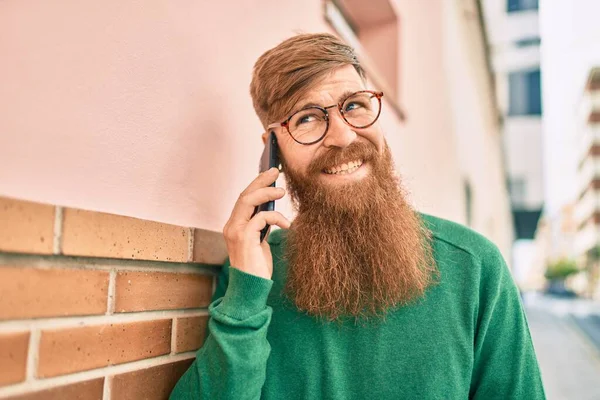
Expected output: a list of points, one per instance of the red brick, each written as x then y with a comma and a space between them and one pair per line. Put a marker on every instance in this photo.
209, 247
13, 357
87, 390
190, 333
141, 291
149, 384
26, 227
95, 234
77, 349
30, 292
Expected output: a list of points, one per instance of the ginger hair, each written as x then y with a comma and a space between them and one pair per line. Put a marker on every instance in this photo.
283, 74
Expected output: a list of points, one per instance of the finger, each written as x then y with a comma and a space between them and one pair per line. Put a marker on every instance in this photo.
264, 242
263, 218
244, 208
262, 180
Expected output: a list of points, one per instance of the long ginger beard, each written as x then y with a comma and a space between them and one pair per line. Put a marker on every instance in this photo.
357, 249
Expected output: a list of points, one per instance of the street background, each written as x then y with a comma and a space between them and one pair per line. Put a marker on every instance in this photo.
566, 336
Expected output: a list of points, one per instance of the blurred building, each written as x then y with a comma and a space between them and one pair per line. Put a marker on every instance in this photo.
514, 41
570, 61
554, 240
532, 278
587, 245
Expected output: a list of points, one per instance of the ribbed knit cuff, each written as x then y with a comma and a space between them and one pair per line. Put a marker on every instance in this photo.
246, 294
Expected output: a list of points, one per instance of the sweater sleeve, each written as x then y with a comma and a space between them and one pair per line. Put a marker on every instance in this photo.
232, 362
505, 365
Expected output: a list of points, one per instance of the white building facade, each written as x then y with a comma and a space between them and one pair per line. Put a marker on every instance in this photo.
570, 57
587, 241
514, 45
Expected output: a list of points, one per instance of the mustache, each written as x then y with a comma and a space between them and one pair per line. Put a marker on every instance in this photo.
354, 151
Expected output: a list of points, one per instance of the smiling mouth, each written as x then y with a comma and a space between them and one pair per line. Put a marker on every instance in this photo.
345, 168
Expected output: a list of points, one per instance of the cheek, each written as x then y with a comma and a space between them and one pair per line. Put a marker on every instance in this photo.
375, 136
296, 158
301, 163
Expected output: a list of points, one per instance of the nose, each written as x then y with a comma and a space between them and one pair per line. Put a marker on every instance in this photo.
339, 134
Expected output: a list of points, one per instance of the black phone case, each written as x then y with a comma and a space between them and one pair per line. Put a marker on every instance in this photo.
268, 160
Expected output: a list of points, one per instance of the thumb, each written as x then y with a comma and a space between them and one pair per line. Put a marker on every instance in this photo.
264, 243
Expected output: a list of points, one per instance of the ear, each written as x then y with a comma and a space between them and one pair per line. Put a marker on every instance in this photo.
265, 136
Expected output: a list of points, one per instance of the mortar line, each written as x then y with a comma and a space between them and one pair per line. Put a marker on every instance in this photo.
57, 230
190, 255
106, 393
173, 334
60, 261
33, 354
112, 283
93, 320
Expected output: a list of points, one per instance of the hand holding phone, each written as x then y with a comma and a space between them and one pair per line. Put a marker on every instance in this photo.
268, 160
246, 224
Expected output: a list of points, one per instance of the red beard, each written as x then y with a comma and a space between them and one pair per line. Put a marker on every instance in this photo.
357, 249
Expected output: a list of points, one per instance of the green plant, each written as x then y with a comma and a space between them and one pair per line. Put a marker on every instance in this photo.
561, 269
594, 254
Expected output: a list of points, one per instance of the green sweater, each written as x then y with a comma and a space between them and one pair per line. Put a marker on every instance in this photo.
467, 338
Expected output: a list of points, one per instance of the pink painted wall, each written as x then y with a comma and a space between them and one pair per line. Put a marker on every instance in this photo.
426, 146
141, 108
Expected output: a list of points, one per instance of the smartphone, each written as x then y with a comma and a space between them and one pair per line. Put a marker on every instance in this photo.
268, 160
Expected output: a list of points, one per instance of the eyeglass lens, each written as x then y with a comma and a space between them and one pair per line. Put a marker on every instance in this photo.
310, 124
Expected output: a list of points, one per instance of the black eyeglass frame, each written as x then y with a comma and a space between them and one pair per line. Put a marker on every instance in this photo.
339, 105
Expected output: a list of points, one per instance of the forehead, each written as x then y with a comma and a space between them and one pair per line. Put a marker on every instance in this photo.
332, 87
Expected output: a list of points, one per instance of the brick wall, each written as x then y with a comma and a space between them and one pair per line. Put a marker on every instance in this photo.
99, 306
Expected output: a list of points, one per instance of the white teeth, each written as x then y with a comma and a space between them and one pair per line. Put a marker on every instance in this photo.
345, 168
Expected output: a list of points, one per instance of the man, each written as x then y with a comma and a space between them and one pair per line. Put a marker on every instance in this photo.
361, 297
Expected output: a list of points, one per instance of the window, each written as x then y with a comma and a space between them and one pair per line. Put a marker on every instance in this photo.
525, 95
517, 188
533, 41
521, 5
525, 223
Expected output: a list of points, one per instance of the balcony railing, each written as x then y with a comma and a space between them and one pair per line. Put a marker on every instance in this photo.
590, 103
589, 171
590, 136
587, 205
587, 238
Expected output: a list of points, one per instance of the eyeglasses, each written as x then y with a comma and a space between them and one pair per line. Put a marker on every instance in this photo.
309, 125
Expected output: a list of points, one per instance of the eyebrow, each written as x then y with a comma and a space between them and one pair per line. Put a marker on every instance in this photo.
344, 95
